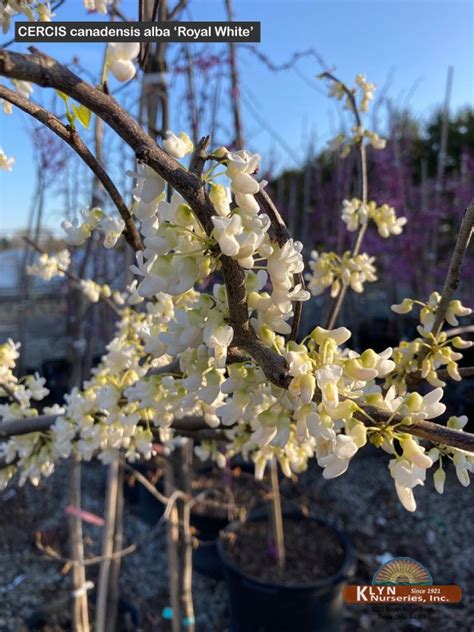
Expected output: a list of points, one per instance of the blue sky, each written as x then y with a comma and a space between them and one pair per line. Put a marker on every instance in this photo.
412, 41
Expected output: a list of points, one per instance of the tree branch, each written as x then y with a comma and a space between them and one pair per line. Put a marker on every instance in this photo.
281, 235
454, 271
363, 185
73, 139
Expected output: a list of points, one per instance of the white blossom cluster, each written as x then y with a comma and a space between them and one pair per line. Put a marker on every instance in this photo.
120, 55
6, 163
356, 214
168, 362
33, 10
356, 98
49, 266
440, 351
329, 269
97, 5
77, 234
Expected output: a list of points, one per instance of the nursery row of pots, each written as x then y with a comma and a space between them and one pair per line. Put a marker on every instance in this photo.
305, 596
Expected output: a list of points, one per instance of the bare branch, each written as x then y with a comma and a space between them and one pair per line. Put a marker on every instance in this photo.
464, 371
453, 276
73, 139
180, 6
199, 157
10, 392
339, 300
16, 427
281, 235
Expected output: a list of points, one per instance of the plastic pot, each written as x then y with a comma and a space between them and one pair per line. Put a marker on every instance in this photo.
258, 606
149, 508
206, 559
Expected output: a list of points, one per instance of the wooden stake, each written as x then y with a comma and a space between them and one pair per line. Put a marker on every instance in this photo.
107, 546
277, 516
80, 612
178, 477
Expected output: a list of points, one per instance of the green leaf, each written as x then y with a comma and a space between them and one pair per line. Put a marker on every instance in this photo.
71, 117
83, 114
63, 96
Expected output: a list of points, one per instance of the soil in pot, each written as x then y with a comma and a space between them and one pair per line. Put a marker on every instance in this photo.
306, 596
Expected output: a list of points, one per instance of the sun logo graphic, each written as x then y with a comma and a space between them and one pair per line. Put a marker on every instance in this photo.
402, 571
402, 580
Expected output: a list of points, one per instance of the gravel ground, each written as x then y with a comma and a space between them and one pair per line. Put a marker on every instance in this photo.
363, 503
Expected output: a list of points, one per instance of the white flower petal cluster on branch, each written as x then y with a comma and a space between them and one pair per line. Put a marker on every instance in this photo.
97, 5
355, 214
33, 10
49, 266
439, 351
334, 271
6, 163
77, 234
168, 362
120, 58
179, 145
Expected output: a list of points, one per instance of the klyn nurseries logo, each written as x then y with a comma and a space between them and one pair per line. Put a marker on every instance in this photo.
402, 580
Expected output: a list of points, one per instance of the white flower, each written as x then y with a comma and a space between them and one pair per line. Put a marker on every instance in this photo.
177, 146
337, 462
24, 88
415, 453
221, 198
91, 290
240, 167
354, 214
439, 478
119, 59
225, 231
75, 235
113, 228
97, 5
6, 163
150, 185
407, 475
35, 384
463, 467
218, 338
327, 380
50, 266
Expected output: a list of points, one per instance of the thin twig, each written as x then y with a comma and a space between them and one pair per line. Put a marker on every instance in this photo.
281, 235
10, 392
73, 139
453, 276
339, 300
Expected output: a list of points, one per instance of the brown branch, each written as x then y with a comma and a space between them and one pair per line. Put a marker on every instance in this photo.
16, 427
281, 235
454, 271
363, 185
199, 157
451, 282
464, 371
180, 6
47, 72
73, 139
436, 433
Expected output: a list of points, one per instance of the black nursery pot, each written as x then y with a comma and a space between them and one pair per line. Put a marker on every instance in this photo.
205, 557
258, 606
